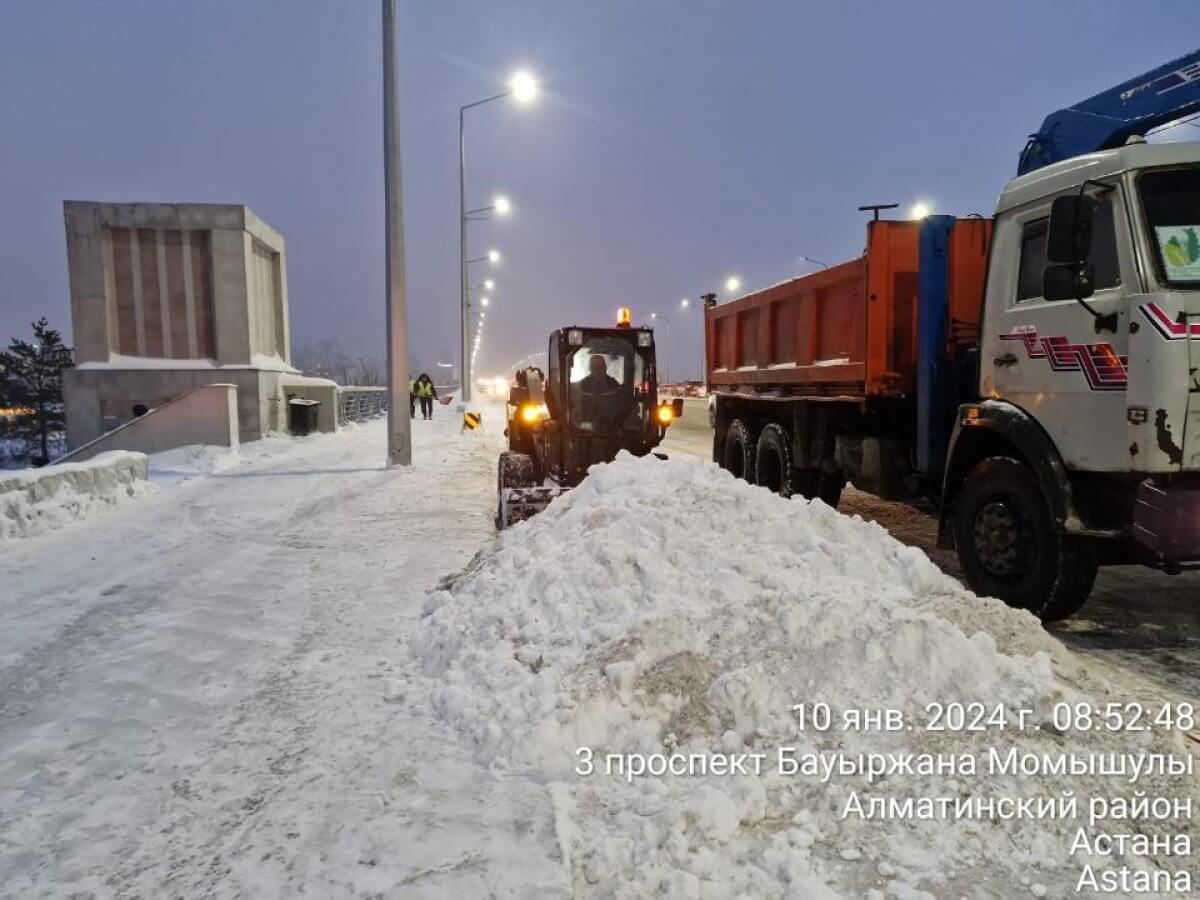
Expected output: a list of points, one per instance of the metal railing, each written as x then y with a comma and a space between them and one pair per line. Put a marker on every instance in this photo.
357, 404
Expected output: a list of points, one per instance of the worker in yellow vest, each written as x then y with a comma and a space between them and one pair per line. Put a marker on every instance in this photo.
412, 397
426, 392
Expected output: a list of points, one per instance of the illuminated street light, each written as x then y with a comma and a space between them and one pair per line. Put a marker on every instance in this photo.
919, 211
501, 205
523, 86
733, 284
489, 285
493, 256
484, 301
683, 304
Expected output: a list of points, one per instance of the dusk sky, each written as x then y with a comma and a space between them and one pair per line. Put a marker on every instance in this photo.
675, 142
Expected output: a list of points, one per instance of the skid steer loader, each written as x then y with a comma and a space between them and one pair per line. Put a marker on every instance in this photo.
598, 397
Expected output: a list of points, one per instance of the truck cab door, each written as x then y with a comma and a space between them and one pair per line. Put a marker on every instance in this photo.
1047, 357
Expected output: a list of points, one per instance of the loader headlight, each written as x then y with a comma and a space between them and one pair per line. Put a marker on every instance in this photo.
532, 413
665, 415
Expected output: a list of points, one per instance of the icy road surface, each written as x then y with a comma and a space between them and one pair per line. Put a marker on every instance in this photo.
196, 692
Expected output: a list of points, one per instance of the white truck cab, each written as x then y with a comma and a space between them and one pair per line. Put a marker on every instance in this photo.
1116, 382
1089, 380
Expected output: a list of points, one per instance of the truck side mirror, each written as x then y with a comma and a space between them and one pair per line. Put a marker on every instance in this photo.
1069, 238
1069, 281
677, 407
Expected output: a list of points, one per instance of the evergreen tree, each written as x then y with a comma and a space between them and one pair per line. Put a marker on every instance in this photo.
31, 380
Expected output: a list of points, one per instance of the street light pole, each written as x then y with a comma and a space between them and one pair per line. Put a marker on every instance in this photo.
399, 451
464, 349
463, 218
523, 87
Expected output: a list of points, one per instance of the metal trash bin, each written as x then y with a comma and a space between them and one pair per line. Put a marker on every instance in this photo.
302, 415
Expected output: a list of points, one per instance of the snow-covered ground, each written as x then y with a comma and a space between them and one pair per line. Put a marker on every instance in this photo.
260, 682
202, 694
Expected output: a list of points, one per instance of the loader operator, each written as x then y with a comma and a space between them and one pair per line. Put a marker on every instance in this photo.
601, 392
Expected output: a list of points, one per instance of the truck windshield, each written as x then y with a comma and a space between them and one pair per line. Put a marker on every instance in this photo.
607, 383
1171, 199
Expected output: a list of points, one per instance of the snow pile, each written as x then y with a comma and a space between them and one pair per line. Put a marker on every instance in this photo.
666, 607
34, 501
193, 461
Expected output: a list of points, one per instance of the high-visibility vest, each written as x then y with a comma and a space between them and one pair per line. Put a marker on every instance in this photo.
425, 389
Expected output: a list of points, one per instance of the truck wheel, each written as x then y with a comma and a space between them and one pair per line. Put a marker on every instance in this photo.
773, 460
1010, 548
812, 482
739, 450
829, 488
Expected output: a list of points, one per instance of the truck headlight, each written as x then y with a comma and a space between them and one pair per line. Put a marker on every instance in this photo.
532, 413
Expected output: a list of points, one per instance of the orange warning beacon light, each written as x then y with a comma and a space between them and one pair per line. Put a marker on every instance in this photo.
624, 317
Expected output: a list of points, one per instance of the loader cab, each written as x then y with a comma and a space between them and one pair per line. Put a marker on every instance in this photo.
601, 393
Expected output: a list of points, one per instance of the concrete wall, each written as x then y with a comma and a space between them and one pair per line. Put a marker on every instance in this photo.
165, 297
98, 400
320, 389
207, 414
154, 279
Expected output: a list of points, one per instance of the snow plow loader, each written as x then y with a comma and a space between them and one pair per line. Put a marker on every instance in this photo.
599, 397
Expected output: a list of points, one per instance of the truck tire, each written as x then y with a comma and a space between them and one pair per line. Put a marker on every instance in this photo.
812, 483
829, 488
1009, 547
738, 458
773, 460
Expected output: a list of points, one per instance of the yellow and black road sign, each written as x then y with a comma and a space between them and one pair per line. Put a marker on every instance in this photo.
472, 420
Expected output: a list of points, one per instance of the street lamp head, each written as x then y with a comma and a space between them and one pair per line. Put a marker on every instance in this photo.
654, 315
733, 283
920, 210
502, 206
489, 284
484, 301
493, 256
524, 87
683, 304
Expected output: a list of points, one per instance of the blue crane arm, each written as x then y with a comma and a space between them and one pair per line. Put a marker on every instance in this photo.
1110, 118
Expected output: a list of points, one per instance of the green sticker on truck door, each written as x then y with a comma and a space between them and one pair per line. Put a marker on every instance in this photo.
1180, 246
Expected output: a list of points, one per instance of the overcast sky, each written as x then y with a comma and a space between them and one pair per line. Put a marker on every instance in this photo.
677, 142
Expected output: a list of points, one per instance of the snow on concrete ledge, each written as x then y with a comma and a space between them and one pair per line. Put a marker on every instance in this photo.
34, 501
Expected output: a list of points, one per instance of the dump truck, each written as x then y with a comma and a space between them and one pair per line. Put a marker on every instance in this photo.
1034, 375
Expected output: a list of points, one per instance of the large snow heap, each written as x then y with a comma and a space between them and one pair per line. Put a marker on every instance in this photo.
666, 607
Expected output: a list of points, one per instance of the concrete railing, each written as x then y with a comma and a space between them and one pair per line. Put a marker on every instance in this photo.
33, 501
207, 414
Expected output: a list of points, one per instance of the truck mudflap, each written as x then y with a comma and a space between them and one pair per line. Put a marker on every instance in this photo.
1166, 521
520, 503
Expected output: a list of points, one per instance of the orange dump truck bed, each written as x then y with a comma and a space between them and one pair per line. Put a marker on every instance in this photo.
849, 330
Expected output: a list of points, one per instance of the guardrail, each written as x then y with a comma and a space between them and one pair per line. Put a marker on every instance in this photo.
357, 404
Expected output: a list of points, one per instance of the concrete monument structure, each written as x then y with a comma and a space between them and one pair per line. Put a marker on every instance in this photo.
166, 297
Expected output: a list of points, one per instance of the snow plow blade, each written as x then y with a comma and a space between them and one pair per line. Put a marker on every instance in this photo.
519, 503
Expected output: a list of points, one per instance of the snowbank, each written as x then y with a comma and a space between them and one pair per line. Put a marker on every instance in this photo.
192, 461
33, 501
665, 607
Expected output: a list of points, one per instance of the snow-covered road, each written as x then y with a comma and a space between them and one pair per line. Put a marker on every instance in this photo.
199, 692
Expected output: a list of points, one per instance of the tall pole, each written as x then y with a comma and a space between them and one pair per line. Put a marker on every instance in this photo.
399, 425
464, 306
